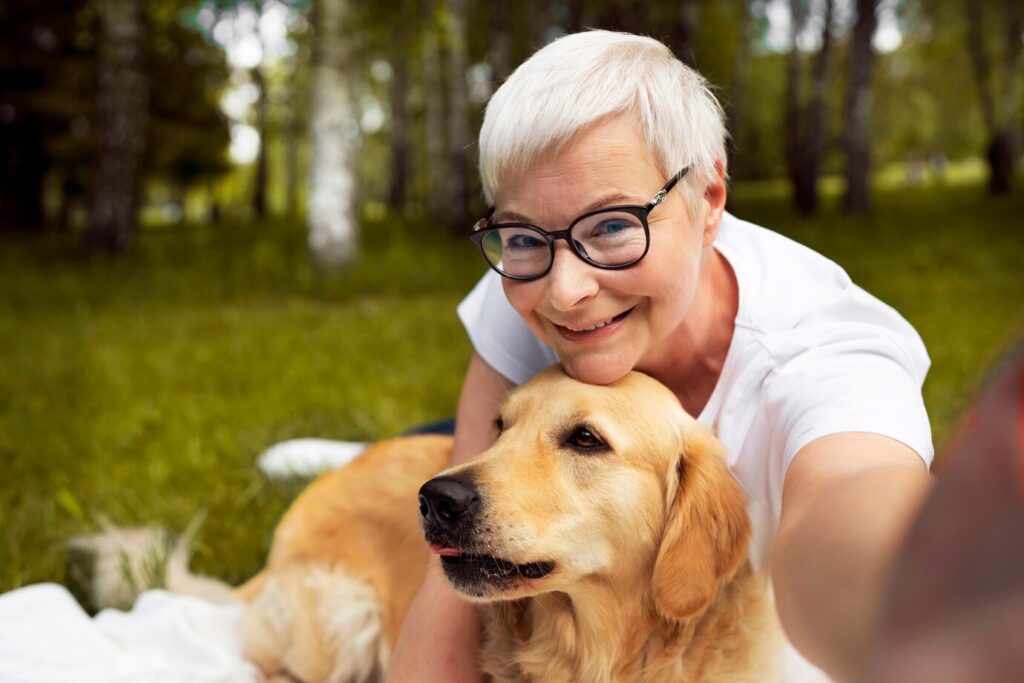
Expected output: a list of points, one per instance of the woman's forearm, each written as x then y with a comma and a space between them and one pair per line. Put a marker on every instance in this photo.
830, 563
440, 636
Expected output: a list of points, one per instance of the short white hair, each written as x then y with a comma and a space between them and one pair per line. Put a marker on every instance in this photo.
583, 78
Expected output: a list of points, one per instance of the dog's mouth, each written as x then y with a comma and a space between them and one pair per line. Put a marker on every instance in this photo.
479, 574
490, 568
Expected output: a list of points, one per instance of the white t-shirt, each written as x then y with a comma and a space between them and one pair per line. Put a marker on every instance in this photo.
812, 354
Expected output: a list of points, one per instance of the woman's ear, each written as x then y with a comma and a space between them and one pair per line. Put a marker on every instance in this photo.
715, 194
705, 537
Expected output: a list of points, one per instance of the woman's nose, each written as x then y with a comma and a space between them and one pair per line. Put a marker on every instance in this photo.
571, 280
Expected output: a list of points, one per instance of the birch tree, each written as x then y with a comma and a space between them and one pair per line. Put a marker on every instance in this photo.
121, 122
330, 221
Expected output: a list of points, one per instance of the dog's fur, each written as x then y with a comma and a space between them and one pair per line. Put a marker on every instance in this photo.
645, 539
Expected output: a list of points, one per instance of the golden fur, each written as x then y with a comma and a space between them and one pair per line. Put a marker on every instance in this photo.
648, 539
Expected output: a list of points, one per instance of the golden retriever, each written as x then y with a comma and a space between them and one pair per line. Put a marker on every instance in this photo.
602, 536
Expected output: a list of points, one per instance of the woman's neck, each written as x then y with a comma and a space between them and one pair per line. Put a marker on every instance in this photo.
692, 357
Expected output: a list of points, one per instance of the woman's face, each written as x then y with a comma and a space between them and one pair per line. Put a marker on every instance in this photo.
604, 323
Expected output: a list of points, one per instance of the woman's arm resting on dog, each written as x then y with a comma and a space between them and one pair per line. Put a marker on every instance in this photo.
440, 635
847, 503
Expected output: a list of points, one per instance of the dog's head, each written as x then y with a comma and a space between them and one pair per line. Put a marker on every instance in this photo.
615, 484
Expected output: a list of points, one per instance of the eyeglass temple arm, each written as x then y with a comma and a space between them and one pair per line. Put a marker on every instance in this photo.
660, 197
657, 199
483, 222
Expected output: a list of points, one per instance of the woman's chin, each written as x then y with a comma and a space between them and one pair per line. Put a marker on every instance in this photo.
596, 370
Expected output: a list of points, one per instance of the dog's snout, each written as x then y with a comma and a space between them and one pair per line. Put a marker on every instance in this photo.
446, 501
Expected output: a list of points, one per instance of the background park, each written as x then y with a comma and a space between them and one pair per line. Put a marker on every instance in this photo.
227, 223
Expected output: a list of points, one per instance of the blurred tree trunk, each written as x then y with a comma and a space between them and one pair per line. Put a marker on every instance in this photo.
458, 110
436, 131
259, 78
685, 31
22, 169
292, 139
858, 109
1000, 111
330, 220
121, 126
538, 15
401, 147
806, 132
794, 110
259, 188
740, 75
499, 56
573, 10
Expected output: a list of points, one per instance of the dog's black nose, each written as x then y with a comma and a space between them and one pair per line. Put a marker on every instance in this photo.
447, 500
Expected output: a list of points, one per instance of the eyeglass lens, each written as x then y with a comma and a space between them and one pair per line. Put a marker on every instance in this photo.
607, 238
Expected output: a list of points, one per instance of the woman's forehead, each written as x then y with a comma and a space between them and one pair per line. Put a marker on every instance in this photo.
607, 164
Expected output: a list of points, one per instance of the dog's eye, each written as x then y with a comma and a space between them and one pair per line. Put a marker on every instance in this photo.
583, 439
499, 424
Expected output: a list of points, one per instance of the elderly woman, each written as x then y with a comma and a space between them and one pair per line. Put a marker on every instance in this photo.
610, 250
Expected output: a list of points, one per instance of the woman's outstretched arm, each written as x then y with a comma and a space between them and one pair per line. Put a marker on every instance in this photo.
440, 636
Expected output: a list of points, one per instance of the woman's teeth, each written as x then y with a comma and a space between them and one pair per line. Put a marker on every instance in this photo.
593, 327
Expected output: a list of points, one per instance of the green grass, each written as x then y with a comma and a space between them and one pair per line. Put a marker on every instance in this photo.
143, 387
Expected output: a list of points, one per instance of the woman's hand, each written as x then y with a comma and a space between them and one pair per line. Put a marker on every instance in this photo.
954, 608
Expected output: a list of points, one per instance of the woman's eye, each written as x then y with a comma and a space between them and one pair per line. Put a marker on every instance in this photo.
523, 242
611, 227
585, 440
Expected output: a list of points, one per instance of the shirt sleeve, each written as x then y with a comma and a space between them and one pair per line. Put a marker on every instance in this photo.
499, 334
863, 374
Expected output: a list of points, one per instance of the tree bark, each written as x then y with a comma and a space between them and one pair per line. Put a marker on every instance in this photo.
23, 166
793, 97
999, 111
436, 131
806, 134
121, 123
858, 109
330, 220
458, 123
500, 53
538, 22
259, 189
684, 39
292, 126
740, 75
401, 147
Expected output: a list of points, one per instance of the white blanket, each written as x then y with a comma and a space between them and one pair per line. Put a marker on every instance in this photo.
45, 637
166, 638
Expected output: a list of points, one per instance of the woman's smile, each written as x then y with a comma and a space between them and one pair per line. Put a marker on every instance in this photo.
591, 332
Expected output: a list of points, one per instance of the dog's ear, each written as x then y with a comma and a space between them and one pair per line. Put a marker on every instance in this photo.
705, 536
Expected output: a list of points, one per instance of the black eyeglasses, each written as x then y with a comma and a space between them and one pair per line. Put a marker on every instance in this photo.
612, 238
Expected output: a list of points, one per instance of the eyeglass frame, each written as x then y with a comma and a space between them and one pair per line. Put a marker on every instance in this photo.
481, 228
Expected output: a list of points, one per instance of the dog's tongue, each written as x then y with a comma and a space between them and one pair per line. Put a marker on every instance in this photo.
443, 551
